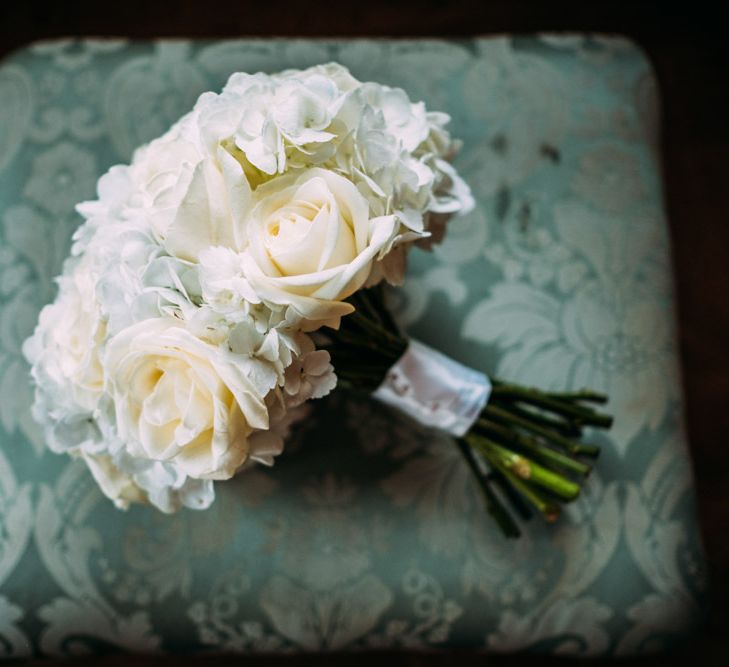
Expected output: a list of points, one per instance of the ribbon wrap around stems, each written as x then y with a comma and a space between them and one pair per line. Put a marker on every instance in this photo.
435, 390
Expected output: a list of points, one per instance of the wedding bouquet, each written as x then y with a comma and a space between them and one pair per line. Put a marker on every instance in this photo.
233, 271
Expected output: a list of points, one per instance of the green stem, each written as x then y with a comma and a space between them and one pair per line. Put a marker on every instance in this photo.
571, 446
493, 505
549, 510
528, 438
378, 333
527, 469
361, 302
537, 398
364, 342
375, 297
583, 395
566, 428
533, 446
520, 505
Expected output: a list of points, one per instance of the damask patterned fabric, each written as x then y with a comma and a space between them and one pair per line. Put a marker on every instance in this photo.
369, 532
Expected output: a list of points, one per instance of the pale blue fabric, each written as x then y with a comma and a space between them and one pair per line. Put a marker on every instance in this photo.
369, 531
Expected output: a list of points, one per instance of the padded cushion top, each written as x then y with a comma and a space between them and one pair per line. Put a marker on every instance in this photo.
369, 531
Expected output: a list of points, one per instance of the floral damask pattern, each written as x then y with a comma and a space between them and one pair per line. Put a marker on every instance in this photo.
324, 593
16, 515
16, 93
369, 532
603, 327
68, 547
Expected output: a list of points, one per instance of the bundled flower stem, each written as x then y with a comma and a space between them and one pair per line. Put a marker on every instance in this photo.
525, 444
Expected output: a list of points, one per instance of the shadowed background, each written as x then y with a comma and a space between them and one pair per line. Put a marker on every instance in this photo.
686, 44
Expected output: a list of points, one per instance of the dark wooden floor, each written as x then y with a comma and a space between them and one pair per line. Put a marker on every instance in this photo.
688, 46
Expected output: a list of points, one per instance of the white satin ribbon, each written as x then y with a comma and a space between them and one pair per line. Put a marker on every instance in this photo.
435, 390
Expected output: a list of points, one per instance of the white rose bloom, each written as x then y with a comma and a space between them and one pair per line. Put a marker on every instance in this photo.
183, 196
312, 244
212, 211
182, 400
163, 172
147, 193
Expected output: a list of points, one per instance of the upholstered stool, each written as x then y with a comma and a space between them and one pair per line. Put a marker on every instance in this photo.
369, 532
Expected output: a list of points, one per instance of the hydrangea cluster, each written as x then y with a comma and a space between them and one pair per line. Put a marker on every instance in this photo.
179, 346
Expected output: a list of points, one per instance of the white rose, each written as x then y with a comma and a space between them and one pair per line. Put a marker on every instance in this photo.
163, 169
211, 210
311, 243
182, 400
186, 193
152, 186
